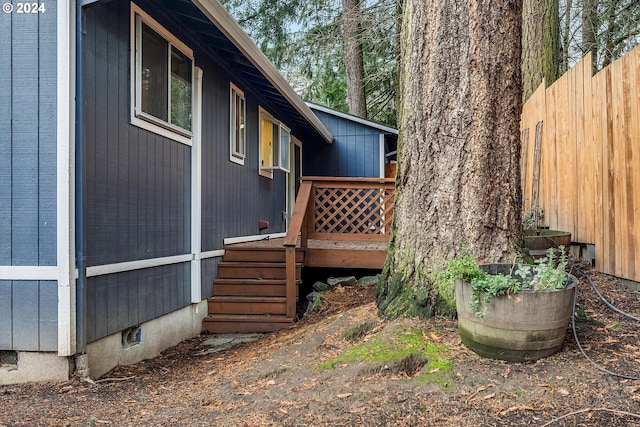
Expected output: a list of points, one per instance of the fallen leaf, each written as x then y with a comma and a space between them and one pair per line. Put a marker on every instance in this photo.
433, 371
489, 396
271, 382
434, 337
343, 395
284, 411
359, 410
563, 392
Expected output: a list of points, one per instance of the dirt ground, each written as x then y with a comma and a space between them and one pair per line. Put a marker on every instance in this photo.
278, 379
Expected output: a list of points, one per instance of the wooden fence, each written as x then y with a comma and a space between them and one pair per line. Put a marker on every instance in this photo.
586, 171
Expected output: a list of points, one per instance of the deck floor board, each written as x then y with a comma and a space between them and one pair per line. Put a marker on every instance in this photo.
333, 253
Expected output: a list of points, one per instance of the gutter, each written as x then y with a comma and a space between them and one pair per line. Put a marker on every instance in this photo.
82, 365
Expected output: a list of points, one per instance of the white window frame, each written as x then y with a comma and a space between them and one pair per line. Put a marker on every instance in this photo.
235, 95
276, 157
138, 117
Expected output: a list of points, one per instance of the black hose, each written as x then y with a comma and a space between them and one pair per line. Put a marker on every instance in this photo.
575, 334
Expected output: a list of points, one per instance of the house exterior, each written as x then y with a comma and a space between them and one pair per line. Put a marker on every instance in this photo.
360, 148
136, 139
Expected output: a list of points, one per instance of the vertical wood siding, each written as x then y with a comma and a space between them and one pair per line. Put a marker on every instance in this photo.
137, 188
137, 184
589, 178
28, 78
355, 151
234, 197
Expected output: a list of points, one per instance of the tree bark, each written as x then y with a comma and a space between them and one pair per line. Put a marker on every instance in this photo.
354, 58
540, 44
458, 180
589, 35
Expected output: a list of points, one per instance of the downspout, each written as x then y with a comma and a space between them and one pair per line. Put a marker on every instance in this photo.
82, 362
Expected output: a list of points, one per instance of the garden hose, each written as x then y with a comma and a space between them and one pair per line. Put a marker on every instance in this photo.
575, 334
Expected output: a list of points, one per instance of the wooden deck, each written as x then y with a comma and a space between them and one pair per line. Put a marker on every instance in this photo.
332, 253
336, 223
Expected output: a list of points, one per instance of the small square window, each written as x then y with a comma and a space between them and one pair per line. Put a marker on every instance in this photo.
237, 134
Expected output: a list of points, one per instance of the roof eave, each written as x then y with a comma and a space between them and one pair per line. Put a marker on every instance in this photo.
219, 16
357, 119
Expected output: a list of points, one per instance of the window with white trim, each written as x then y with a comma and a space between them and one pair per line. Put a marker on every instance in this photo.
237, 126
162, 90
274, 145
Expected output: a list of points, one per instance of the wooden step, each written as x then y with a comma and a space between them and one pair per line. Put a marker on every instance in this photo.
251, 287
245, 254
247, 305
229, 324
255, 270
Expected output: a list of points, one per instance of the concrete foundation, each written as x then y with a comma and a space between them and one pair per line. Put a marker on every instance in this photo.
147, 341
154, 337
36, 367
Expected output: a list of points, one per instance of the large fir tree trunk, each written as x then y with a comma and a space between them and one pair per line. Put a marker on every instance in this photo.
458, 181
540, 44
354, 58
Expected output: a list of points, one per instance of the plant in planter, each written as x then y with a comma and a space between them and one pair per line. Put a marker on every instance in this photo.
538, 240
513, 312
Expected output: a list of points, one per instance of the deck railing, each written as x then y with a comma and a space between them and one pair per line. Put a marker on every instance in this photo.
332, 208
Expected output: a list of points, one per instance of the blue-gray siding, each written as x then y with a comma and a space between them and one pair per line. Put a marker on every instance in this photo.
118, 301
355, 151
137, 190
137, 184
28, 75
235, 197
20, 329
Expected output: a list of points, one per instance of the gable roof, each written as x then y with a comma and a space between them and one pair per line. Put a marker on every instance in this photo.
351, 117
211, 22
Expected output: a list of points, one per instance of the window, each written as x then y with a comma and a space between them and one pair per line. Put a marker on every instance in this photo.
163, 79
274, 145
238, 125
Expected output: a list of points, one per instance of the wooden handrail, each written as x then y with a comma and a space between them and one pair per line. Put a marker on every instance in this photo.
336, 208
299, 213
296, 225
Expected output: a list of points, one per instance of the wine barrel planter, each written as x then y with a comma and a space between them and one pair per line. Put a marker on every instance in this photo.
539, 241
524, 326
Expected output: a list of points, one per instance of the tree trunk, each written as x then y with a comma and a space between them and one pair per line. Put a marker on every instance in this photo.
589, 35
540, 44
566, 36
458, 180
353, 58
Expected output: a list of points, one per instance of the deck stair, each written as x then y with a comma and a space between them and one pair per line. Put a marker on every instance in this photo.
249, 294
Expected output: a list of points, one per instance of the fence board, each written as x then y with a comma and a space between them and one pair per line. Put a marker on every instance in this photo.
587, 170
589, 179
548, 159
630, 138
634, 90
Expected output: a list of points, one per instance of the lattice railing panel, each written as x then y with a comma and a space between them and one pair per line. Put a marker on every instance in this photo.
353, 210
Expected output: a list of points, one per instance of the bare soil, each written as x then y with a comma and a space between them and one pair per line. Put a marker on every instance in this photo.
276, 381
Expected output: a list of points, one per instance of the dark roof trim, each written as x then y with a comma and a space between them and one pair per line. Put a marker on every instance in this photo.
218, 15
353, 118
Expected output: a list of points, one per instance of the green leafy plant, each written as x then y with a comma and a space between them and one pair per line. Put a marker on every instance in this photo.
464, 268
547, 273
489, 286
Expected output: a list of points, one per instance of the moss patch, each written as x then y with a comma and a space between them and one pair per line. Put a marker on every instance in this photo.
400, 352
